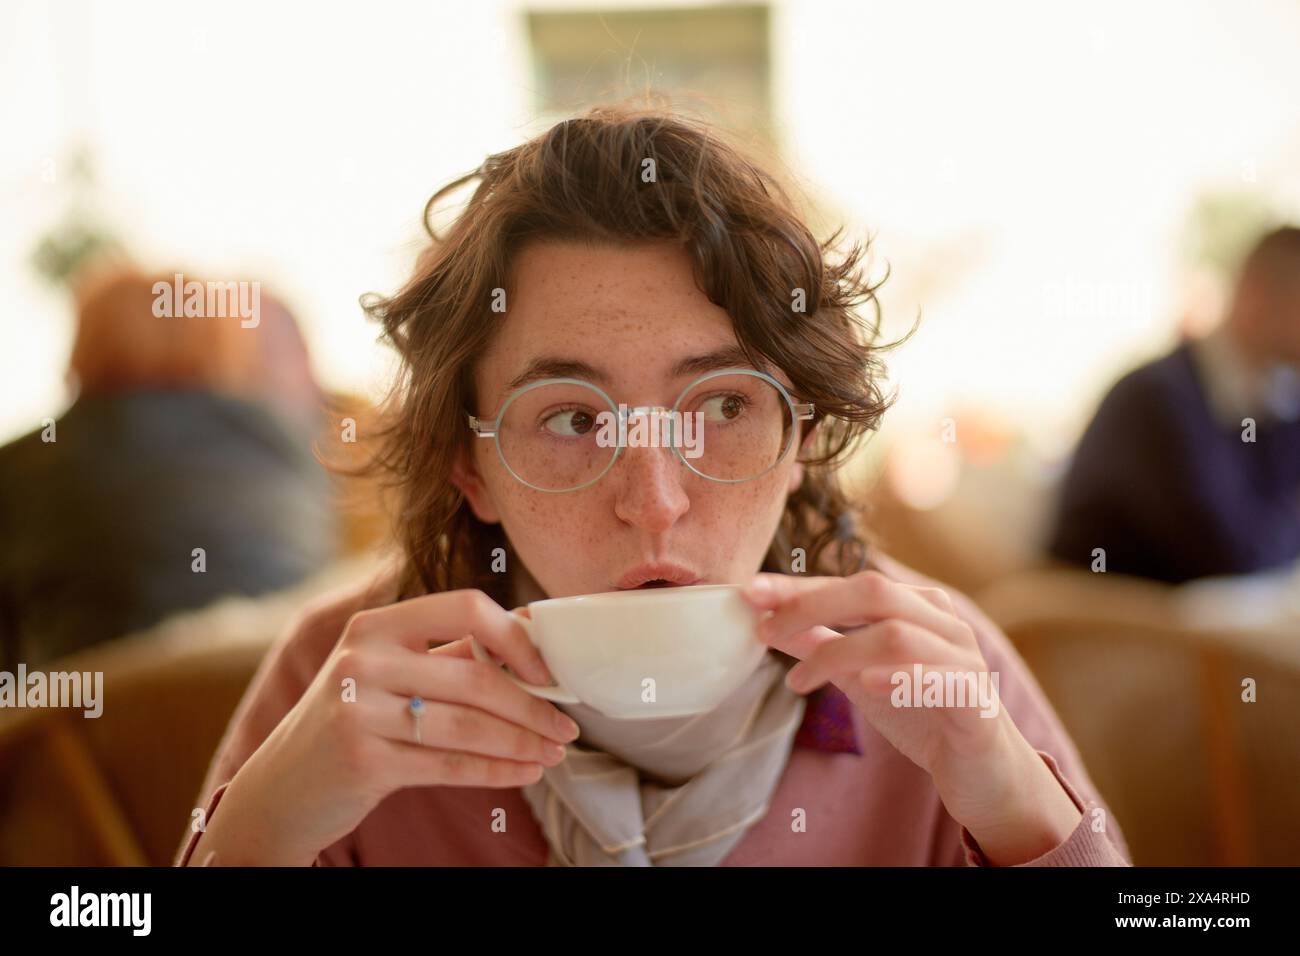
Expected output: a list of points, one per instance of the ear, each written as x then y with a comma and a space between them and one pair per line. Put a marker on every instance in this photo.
465, 476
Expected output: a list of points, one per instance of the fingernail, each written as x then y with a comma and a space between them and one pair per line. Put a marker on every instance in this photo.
568, 729
795, 679
554, 752
541, 675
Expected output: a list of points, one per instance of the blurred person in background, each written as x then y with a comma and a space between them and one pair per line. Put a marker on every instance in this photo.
185, 433
1191, 466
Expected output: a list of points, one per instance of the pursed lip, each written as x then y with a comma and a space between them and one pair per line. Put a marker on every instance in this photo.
676, 575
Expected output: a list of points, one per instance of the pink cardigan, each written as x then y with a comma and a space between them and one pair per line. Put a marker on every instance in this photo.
864, 803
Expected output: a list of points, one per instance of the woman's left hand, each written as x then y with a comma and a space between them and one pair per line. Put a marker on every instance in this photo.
873, 637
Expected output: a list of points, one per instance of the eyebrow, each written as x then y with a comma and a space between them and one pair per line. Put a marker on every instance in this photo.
551, 366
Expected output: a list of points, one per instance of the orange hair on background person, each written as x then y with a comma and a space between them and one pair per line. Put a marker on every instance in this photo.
121, 344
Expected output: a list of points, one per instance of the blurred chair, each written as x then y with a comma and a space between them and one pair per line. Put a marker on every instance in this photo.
118, 790
1195, 775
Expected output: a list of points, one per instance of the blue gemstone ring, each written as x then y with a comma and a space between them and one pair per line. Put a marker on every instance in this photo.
416, 708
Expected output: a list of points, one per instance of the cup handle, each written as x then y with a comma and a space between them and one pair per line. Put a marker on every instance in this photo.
555, 692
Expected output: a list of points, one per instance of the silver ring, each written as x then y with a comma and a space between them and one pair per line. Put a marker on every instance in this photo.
416, 708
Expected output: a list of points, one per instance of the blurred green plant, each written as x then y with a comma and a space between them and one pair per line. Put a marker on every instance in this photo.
1223, 226
64, 251
78, 238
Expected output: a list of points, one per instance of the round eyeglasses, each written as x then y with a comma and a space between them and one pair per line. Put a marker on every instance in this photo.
563, 434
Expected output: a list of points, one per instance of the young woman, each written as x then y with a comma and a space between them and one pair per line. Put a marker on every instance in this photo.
631, 257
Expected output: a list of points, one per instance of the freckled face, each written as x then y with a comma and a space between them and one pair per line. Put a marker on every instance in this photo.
632, 313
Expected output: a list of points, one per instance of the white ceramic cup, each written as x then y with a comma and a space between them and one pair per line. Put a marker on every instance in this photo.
660, 652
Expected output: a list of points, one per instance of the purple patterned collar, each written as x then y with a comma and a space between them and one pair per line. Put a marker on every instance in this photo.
828, 723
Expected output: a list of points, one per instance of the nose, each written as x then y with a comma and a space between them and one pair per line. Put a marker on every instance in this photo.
650, 492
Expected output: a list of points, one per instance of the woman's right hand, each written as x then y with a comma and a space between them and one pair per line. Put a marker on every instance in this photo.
337, 754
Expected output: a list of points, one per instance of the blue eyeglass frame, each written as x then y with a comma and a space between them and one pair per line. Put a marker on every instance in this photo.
485, 428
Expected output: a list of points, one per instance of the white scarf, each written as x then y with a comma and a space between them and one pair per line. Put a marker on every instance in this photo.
676, 791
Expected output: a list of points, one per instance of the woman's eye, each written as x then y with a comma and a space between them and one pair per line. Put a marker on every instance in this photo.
722, 408
570, 423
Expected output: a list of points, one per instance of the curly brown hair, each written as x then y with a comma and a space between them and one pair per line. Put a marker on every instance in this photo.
581, 180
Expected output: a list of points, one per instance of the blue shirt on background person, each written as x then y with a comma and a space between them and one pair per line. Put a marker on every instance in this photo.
100, 526
1168, 487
